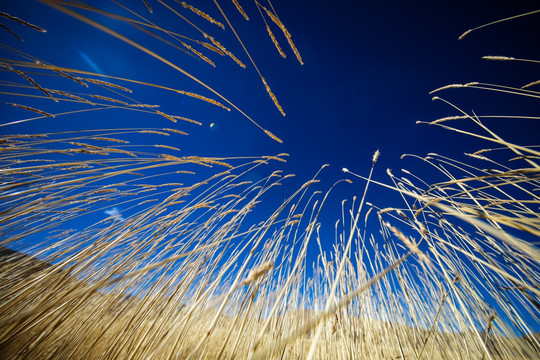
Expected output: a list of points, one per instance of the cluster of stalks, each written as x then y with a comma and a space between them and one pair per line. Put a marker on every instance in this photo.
191, 270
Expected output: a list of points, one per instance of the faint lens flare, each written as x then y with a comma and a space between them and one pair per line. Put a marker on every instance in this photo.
90, 62
114, 213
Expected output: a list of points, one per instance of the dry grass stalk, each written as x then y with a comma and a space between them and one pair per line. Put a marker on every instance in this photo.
453, 86
148, 106
106, 98
115, 150
274, 99
239, 8
273, 136
148, 6
32, 109
105, 83
276, 21
202, 14
257, 272
496, 22
166, 116
75, 97
101, 138
499, 58
20, 21
175, 131
277, 158
11, 32
275, 42
186, 119
447, 118
167, 147
408, 242
227, 52
63, 73
166, 278
154, 132
375, 157
29, 79
531, 84
198, 53
203, 98
211, 47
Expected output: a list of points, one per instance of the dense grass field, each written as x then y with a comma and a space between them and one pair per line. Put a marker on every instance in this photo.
205, 256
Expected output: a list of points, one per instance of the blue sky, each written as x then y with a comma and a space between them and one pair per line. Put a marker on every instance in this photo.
365, 82
368, 70
367, 73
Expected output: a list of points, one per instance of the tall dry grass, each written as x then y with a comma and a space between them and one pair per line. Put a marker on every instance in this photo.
196, 272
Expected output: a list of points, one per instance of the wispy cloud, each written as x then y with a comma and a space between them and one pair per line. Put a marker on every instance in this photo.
114, 213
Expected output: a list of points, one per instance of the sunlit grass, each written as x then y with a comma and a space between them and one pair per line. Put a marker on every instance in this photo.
204, 267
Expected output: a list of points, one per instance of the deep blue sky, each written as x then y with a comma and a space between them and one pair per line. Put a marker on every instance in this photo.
369, 67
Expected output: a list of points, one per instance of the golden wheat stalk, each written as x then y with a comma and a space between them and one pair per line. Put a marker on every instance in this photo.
276, 21
496, 22
275, 42
534, 83
227, 52
198, 53
239, 8
63, 73
29, 79
105, 83
59, 7
274, 99
202, 14
32, 109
